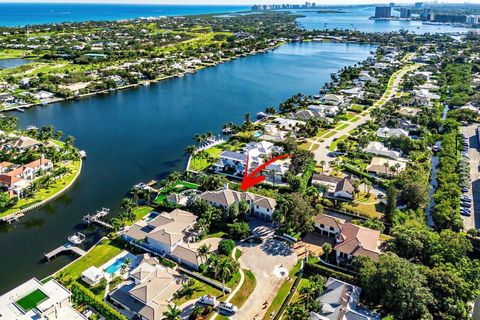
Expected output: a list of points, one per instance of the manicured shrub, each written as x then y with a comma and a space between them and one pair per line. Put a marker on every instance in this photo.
226, 247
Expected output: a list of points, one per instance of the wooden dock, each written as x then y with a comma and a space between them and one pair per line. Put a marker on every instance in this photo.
66, 248
95, 218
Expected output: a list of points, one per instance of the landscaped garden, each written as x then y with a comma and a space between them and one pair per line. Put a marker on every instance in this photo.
177, 187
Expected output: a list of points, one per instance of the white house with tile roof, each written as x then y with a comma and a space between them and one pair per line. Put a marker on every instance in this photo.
260, 206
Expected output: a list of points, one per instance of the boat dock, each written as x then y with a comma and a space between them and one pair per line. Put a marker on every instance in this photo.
95, 218
66, 248
12, 218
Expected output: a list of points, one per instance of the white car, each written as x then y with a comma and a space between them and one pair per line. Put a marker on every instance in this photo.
207, 300
227, 307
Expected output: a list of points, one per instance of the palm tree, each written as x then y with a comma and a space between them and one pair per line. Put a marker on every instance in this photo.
322, 164
127, 204
203, 251
327, 249
224, 268
172, 313
190, 149
270, 110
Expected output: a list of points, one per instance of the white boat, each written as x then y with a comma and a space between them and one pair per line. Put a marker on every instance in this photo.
261, 115
82, 154
76, 238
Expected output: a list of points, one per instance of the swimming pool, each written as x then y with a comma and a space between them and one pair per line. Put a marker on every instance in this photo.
257, 134
114, 267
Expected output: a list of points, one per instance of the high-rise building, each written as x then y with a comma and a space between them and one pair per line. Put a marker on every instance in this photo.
474, 19
405, 13
426, 14
383, 12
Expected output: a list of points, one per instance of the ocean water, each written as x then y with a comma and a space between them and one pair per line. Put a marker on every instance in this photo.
20, 14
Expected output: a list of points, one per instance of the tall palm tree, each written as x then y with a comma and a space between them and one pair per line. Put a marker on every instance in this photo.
203, 252
127, 204
172, 313
224, 268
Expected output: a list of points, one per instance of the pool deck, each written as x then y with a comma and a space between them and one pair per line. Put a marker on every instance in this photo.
121, 255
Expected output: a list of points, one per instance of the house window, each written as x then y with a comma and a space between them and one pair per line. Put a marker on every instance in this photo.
331, 228
268, 210
322, 226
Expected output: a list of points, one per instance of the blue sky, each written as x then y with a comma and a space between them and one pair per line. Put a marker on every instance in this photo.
232, 2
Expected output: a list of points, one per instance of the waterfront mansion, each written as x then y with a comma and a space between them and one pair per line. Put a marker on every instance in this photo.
234, 163
15, 178
169, 233
260, 206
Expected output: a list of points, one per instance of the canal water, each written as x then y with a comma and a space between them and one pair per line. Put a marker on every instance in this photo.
139, 134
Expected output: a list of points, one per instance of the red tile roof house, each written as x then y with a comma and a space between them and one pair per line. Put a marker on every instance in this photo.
350, 240
16, 178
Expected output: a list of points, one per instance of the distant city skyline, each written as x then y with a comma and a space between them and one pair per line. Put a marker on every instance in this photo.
232, 2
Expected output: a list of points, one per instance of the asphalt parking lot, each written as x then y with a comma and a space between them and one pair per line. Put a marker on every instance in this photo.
474, 192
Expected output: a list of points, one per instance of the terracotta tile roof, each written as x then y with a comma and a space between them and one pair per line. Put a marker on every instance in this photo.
358, 241
329, 221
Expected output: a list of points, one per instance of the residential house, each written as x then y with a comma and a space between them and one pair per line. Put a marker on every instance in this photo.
355, 92
351, 240
24, 143
260, 206
333, 99
386, 167
36, 300
339, 301
234, 163
324, 109
334, 186
43, 95
379, 149
148, 290
17, 178
167, 234
385, 132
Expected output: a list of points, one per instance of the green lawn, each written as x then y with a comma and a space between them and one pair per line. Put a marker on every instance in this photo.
343, 126
176, 187
99, 255
238, 254
334, 144
355, 119
32, 300
198, 289
43, 194
246, 289
141, 212
330, 134
219, 234
282, 292
199, 164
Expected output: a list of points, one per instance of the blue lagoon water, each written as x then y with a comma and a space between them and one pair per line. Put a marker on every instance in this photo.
139, 134
20, 14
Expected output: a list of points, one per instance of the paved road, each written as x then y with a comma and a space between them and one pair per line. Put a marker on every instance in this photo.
270, 262
322, 152
473, 152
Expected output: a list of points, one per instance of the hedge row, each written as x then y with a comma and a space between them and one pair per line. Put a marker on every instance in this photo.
82, 295
315, 268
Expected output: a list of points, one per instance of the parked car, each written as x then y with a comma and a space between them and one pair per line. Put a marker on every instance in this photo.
435, 148
465, 199
465, 213
466, 205
227, 307
207, 300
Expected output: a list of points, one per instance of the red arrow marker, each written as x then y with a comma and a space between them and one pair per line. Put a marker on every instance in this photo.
249, 180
